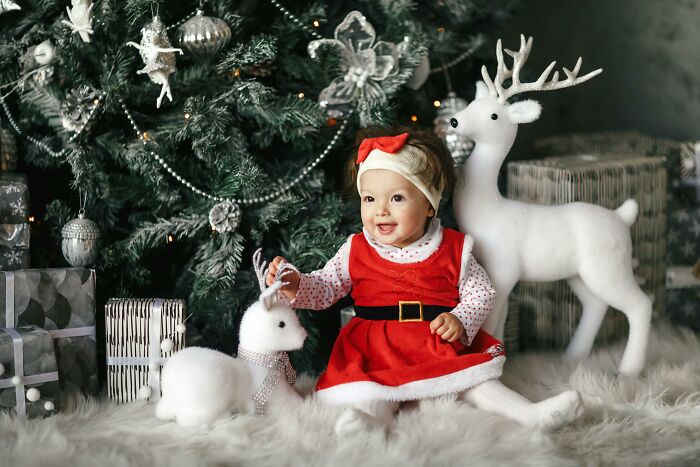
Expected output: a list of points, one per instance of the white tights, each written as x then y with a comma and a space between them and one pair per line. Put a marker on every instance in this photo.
491, 396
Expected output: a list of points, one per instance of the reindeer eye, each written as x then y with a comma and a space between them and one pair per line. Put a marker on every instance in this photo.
494, 117
454, 122
282, 324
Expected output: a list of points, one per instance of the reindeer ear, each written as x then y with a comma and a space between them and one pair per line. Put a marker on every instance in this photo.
481, 90
524, 111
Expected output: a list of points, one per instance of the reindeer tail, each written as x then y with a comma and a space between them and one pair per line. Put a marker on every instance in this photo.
628, 211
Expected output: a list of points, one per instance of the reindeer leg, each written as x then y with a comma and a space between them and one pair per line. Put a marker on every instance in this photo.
593, 313
620, 290
496, 321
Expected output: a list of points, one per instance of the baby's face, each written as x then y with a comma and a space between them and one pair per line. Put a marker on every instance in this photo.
393, 209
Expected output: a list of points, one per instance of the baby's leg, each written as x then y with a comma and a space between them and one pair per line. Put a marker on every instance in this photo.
366, 415
547, 415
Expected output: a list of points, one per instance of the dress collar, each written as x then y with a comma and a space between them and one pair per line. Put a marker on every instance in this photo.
417, 251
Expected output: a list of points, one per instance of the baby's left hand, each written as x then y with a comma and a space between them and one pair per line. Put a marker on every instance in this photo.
447, 326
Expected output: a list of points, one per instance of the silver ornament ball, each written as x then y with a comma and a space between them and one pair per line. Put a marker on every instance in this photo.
459, 146
203, 36
81, 238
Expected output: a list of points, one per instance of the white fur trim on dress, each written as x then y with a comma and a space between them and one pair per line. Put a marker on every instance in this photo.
349, 393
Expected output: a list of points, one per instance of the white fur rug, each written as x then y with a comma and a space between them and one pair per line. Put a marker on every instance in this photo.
651, 420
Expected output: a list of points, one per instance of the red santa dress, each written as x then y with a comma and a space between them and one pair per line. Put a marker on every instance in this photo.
395, 360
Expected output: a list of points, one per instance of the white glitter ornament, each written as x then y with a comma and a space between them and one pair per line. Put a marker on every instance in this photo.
225, 217
158, 55
44, 53
80, 241
144, 392
180, 328
167, 345
33, 395
16, 380
8, 5
49, 406
80, 17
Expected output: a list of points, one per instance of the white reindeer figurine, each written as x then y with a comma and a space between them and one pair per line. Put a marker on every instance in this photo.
587, 245
201, 386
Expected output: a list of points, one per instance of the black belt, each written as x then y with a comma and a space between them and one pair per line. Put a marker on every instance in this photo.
404, 311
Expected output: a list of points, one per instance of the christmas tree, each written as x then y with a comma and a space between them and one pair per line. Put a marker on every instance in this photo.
194, 137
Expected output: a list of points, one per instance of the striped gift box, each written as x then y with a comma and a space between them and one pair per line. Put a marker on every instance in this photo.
135, 329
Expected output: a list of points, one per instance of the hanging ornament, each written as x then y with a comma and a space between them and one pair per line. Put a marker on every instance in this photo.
203, 36
8, 150
420, 74
167, 345
225, 217
80, 17
459, 146
33, 395
80, 241
145, 392
363, 64
36, 65
8, 5
77, 107
158, 55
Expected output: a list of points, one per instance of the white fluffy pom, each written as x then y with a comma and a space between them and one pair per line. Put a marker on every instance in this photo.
2, 369
16, 380
181, 328
49, 406
33, 395
144, 392
167, 345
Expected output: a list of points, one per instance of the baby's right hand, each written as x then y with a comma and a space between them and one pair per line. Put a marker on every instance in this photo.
292, 278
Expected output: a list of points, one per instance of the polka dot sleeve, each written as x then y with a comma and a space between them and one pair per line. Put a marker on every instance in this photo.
320, 289
476, 295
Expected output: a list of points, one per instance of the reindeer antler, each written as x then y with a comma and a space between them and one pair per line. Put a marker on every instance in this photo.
260, 269
519, 58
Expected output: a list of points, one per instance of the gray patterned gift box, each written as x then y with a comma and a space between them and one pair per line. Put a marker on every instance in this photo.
683, 292
14, 228
550, 312
27, 354
62, 301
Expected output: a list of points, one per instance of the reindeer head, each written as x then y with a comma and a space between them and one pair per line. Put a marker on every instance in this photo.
267, 325
489, 118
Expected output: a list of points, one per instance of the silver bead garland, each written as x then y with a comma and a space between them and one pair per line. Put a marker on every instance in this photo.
243, 201
43, 145
289, 15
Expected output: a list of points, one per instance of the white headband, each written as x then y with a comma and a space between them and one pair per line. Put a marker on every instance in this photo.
409, 161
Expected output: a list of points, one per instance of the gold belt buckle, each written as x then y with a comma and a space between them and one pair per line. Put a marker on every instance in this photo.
420, 308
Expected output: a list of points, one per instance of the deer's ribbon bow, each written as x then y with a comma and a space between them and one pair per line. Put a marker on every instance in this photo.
389, 144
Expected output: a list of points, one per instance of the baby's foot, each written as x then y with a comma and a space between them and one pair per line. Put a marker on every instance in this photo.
558, 410
353, 421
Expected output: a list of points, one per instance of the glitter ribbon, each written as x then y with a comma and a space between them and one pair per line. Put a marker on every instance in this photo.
277, 364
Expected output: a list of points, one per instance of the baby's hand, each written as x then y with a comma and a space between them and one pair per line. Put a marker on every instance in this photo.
447, 326
292, 278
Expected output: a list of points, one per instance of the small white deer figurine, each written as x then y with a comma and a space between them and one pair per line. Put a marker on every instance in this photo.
201, 386
587, 245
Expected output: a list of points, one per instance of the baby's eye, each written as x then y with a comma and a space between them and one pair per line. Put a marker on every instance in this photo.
397, 198
368, 199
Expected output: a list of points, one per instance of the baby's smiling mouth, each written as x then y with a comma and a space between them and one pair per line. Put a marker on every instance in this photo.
386, 228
